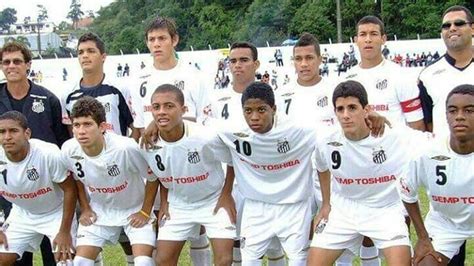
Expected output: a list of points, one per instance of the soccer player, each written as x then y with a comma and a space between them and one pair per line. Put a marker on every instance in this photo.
189, 169
450, 70
41, 108
363, 199
111, 168
445, 169
116, 99
44, 196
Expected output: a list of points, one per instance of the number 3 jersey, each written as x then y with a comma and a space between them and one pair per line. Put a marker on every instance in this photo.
449, 181
32, 184
113, 179
190, 168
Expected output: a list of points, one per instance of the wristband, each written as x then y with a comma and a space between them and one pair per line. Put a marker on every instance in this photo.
145, 214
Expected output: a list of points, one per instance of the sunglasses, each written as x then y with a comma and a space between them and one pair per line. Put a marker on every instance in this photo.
458, 23
17, 62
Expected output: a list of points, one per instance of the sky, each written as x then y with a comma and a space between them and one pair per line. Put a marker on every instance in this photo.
57, 9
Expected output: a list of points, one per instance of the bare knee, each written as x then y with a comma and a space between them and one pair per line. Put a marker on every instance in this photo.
224, 259
432, 261
166, 259
8, 258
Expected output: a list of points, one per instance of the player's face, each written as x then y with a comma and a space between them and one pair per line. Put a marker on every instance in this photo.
351, 115
455, 37
259, 115
460, 115
161, 45
242, 65
13, 137
90, 58
87, 132
167, 111
369, 40
306, 64
14, 66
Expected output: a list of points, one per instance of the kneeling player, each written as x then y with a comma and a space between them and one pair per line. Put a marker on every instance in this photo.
446, 170
35, 180
111, 167
189, 168
364, 198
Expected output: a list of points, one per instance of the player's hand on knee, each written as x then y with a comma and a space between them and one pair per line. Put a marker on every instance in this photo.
150, 136
3, 240
88, 217
227, 202
376, 123
424, 248
322, 218
62, 247
139, 219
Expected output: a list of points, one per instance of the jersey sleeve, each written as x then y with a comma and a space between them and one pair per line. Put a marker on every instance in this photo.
56, 165
64, 112
138, 105
137, 163
217, 150
408, 185
319, 156
426, 102
409, 97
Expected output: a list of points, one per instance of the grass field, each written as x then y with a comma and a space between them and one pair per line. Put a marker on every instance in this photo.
114, 256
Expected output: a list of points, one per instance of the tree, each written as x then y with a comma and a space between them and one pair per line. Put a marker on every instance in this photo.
42, 13
63, 26
75, 13
312, 17
7, 18
23, 40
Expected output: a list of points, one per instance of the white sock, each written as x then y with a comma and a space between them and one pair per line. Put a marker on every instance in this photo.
65, 263
237, 257
369, 256
200, 252
251, 262
81, 261
99, 260
143, 261
345, 259
276, 257
130, 260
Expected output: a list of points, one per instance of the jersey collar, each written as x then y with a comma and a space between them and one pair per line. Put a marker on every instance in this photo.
452, 61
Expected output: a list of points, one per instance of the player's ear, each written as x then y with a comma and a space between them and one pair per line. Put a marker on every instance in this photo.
367, 111
274, 108
257, 64
103, 127
28, 133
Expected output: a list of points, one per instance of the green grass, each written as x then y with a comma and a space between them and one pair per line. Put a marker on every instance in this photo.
114, 256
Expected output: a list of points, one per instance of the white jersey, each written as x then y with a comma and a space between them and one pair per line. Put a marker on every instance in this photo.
366, 171
32, 184
189, 168
310, 105
113, 179
390, 91
449, 181
225, 110
437, 80
114, 95
274, 167
183, 76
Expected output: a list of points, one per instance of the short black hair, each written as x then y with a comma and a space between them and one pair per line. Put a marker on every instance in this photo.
350, 88
464, 89
88, 106
89, 36
14, 46
248, 45
259, 90
307, 39
162, 23
371, 20
170, 88
17, 117
459, 8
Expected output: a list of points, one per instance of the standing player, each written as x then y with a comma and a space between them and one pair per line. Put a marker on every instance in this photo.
364, 200
446, 170
111, 167
450, 70
36, 181
189, 168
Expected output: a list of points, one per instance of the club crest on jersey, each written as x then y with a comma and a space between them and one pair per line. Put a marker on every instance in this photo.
322, 102
223, 99
379, 156
32, 174
113, 170
283, 146
381, 84
334, 143
38, 106
240, 135
107, 107
440, 158
179, 84
287, 94
193, 157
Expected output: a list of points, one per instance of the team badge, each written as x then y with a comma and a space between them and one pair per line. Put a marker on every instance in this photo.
379, 156
322, 102
240, 135
440, 158
283, 146
193, 157
287, 94
404, 186
223, 99
334, 143
32, 174
381, 84
77, 157
179, 84
113, 170
107, 107
38, 106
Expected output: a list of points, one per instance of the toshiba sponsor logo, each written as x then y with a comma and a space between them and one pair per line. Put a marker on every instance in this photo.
452, 199
185, 179
273, 167
366, 180
108, 189
31, 195
379, 107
